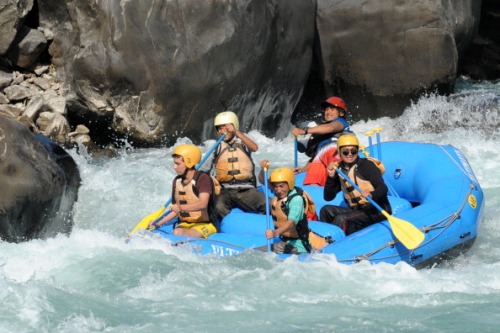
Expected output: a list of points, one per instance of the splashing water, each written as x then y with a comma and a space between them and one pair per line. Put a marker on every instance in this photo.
93, 281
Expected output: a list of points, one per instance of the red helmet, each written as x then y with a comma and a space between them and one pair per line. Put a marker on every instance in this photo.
335, 101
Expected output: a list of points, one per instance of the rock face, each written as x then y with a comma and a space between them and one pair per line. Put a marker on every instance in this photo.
12, 15
159, 69
151, 71
482, 59
39, 184
380, 54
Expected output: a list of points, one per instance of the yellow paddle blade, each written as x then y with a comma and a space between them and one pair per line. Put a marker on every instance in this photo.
409, 235
145, 221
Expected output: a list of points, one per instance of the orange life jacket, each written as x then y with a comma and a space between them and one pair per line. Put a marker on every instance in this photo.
352, 196
233, 163
301, 231
188, 194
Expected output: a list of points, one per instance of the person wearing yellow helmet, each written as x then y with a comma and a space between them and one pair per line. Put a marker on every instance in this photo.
234, 168
359, 212
192, 193
288, 213
319, 140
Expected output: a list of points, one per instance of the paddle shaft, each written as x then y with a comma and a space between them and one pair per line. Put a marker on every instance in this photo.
161, 217
376, 205
371, 145
409, 235
296, 153
268, 213
144, 223
379, 150
210, 151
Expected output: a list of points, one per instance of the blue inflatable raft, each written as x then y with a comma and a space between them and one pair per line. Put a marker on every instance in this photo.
431, 186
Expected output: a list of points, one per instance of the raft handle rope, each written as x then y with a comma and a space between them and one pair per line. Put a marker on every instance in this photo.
191, 240
367, 256
461, 166
448, 221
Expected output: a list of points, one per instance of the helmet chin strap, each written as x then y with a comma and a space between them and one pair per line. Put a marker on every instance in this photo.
184, 174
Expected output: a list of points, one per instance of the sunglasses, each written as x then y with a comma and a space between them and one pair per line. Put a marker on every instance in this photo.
352, 151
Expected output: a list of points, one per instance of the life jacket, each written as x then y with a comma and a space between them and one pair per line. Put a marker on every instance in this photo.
377, 163
309, 238
188, 194
352, 196
310, 206
317, 141
234, 164
279, 212
217, 185
317, 241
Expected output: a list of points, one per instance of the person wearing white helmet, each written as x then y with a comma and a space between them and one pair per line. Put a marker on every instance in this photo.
192, 196
234, 168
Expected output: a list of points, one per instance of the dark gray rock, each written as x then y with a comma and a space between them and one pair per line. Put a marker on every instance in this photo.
10, 111
155, 70
39, 183
5, 79
12, 14
3, 99
379, 55
482, 59
17, 93
27, 47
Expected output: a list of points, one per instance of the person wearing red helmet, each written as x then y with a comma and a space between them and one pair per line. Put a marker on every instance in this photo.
321, 146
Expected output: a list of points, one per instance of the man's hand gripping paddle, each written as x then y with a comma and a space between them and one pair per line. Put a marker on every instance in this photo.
162, 212
409, 235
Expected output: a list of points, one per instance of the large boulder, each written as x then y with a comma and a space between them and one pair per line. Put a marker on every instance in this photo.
150, 71
379, 55
39, 184
27, 48
12, 15
153, 70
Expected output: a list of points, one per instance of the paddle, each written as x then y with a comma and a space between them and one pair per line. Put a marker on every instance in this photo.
268, 213
160, 213
377, 134
296, 154
405, 232
369, 135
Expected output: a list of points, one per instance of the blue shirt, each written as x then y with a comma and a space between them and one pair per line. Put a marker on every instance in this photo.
296, 213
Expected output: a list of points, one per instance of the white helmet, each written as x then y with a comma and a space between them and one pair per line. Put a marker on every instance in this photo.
227, 117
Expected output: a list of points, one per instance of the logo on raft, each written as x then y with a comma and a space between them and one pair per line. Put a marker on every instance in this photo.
472, 201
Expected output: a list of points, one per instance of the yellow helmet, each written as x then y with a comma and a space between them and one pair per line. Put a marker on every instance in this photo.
189, 153
283, 175
227, 117
347, 139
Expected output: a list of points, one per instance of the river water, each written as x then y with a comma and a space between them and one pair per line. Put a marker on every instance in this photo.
93, 281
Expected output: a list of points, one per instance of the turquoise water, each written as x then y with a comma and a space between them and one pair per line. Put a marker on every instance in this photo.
92, 281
